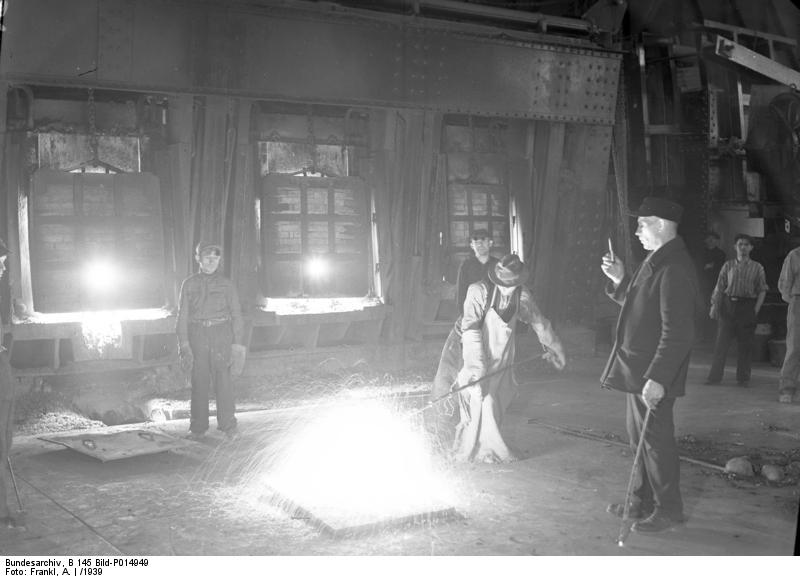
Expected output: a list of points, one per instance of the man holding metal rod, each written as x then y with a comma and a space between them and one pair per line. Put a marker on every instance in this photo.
483, 365
650, 359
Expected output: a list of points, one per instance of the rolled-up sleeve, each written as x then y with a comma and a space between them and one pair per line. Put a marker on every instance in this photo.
471, 324
530, 314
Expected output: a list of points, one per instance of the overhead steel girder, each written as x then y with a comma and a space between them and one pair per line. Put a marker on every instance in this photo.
304, 56
737, 53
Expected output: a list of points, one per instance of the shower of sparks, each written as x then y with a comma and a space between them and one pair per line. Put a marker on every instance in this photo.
101, 330
356, 464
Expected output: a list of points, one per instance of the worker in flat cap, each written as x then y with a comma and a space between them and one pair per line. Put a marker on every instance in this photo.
6, 420
210, 336
488, 326
650, 357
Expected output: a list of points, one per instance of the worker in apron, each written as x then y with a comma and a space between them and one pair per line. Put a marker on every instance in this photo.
492, 309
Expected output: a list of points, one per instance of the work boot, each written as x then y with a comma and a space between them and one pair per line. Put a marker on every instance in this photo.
195, 436
635, 511
232, 434
656, 522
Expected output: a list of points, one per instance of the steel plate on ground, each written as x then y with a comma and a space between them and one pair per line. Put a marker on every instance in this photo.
118, 445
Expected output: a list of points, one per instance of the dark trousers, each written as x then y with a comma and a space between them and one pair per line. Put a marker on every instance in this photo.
211, 347
6, 430
737, 319
657, 481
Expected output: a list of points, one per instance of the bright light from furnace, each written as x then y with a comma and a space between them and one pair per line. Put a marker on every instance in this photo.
100, 275
317, 267
358, 463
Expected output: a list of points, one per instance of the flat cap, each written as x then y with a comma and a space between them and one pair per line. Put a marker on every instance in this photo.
662, 208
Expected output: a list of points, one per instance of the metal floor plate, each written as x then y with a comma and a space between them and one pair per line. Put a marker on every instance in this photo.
119, 445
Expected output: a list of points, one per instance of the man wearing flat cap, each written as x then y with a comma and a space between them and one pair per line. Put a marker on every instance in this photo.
210, 336
650, 358
488, 323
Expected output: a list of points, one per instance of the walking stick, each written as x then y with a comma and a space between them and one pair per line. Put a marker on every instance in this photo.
14, 483
624, 529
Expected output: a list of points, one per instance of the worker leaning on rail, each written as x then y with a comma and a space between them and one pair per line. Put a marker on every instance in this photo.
6, 417
210, 336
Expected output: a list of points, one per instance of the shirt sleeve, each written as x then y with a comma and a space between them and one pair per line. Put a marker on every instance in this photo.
461, 285
761, 280
786, 279
471, 324
530, 314
722, 284
182, 323
236, 314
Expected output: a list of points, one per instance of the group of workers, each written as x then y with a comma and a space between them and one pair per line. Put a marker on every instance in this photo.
649, 360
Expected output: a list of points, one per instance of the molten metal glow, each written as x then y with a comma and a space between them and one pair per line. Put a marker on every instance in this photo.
101, 275
359, 463
101, 330
317, 268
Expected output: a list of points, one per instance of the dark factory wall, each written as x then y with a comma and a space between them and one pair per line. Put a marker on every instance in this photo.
527, 135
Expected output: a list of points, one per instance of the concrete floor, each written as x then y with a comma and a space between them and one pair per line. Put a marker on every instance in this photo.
193, 501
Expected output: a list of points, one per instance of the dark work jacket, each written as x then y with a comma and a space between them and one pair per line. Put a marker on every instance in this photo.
206, 297
655, 329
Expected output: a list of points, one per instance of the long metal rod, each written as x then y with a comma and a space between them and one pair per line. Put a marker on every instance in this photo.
452, 392
14, 483
625, 527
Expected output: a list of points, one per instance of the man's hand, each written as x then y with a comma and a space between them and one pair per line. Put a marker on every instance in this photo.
713, 313
186, 357
238, 358
556, 357
465, 377
652, 393
614, 268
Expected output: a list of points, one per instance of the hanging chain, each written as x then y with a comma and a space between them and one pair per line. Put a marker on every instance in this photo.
93, 140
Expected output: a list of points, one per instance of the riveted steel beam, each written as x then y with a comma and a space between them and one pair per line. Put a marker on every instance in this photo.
304, 55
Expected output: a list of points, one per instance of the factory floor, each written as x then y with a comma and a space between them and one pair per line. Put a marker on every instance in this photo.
199, 499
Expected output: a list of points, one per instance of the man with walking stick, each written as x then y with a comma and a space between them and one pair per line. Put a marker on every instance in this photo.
650, 360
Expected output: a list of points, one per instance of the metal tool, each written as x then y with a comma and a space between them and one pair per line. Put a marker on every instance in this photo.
452, 392
624, 529
14, 483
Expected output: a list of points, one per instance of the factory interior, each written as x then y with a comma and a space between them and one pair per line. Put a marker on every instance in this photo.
343, 159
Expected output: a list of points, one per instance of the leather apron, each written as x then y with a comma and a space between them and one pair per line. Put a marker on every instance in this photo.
482, 408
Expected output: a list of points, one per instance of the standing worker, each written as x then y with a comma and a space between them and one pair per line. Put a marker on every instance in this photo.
650, 358
735, 303
6, 418
476, 266
210, 336
488, 331
789, 286
473, 269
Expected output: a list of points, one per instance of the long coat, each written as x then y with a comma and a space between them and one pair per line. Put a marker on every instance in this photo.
655, 329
